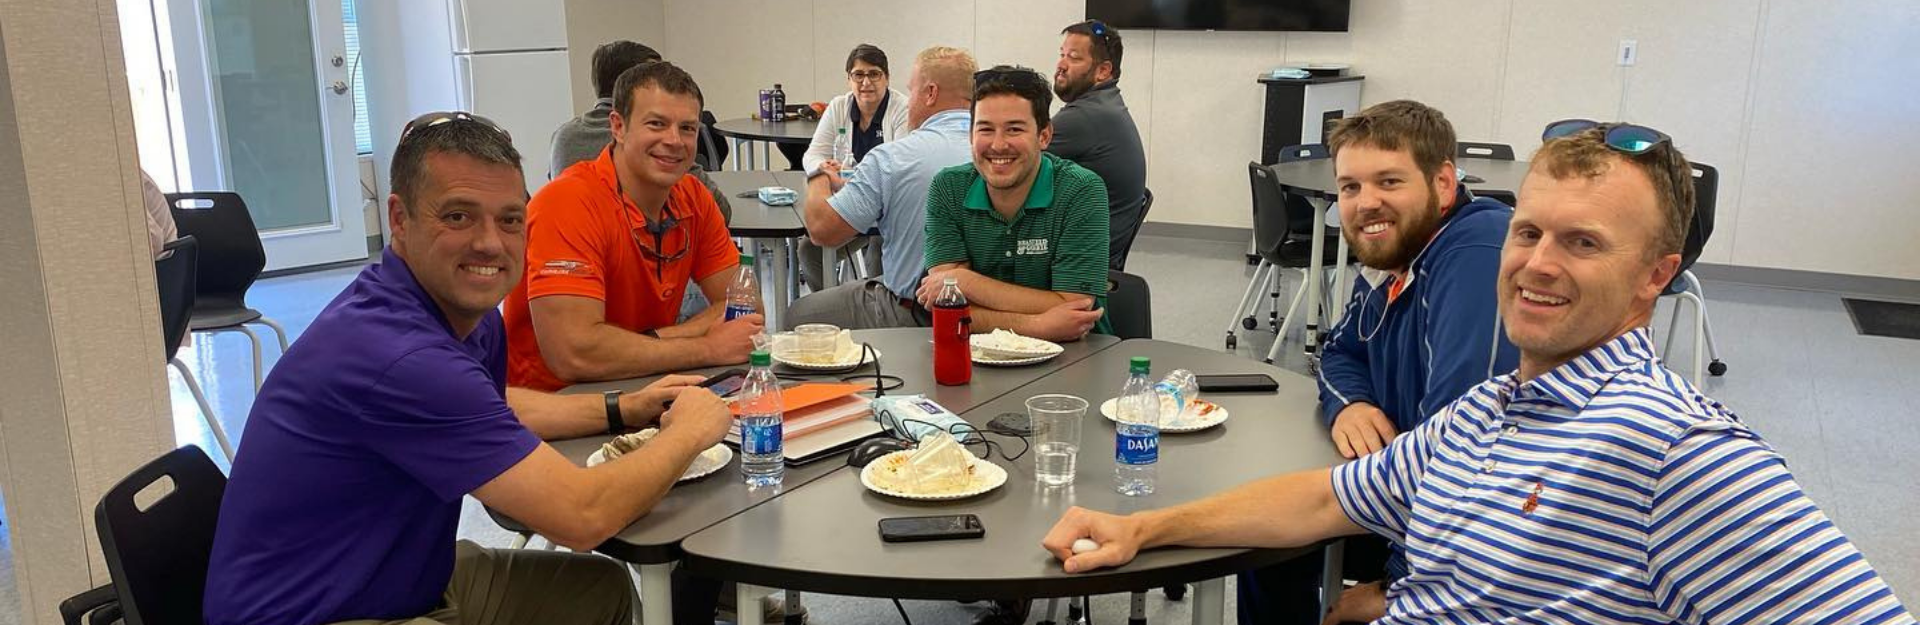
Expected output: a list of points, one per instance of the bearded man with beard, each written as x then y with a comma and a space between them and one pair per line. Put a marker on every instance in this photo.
1423, 325
1094, 129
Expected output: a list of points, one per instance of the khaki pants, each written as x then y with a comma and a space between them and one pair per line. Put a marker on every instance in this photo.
518, 586
861, 305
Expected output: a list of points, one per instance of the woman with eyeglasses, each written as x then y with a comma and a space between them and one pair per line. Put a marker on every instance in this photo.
869, 114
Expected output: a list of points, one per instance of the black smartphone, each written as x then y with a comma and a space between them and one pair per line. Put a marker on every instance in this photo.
1237, 383
726, 383
922, 528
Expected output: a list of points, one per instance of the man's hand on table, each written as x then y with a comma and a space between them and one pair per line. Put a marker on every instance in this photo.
643, 407
1362, 428
1069, 321
1117, 539
729, 342
697, 413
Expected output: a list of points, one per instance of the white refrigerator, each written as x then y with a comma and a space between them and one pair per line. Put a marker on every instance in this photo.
510, 66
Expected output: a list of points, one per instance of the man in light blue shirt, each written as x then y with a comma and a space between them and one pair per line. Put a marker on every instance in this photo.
889, 190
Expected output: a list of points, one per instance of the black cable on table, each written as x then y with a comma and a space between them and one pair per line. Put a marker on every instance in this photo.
903, 611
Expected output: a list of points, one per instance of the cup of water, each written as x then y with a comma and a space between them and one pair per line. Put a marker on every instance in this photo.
1056, 436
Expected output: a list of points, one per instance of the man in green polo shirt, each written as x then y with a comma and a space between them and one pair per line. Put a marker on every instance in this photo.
1024, 232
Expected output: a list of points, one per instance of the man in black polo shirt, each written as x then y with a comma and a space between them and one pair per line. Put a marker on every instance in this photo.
1095, 130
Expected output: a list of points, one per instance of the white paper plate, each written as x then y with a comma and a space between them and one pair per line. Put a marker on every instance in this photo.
1188, 422
981, 357
847, 361
707, 463
987, 476
986, 343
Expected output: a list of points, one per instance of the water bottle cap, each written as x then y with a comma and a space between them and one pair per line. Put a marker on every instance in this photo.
1140, 364
760, 358
746, 259
950, 282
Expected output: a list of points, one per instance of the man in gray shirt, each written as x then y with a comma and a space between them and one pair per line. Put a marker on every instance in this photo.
1095, 130
889, 190
582, 138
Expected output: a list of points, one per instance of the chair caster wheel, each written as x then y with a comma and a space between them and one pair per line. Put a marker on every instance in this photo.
1716, 368
1249, 323
1176, 592
1232, 342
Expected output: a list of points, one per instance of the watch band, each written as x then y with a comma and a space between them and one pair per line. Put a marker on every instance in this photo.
614, 423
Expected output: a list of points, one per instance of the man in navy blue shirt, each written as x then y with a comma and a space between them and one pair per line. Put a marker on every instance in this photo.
346, 493
1421, 329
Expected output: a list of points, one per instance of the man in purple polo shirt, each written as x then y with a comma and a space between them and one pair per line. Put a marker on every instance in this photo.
344, 500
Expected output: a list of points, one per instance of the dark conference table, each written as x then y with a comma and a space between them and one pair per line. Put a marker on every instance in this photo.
823, 537
1315, 180
653, 543
743, 130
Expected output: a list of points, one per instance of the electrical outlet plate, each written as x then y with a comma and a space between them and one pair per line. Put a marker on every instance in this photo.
1629, 53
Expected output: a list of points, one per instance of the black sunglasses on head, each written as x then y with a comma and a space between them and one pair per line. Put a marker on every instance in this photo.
1102, 35
1010, 74
1625, 138
436, 118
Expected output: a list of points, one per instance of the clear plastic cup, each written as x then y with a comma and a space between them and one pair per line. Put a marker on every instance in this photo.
1056, 423
815, 342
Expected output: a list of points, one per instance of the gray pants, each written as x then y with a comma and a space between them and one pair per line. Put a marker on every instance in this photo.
810, 258
863, 305
519, 586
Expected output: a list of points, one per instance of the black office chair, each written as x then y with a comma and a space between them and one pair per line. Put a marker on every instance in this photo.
1281, 226
1489, 151
1119, 256
174, 276
231, 259
1686, 286
711, 152
1129, 305
157, 554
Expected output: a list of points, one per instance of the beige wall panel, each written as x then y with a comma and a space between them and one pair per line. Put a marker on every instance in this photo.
594, 22
735, 48
1205, 94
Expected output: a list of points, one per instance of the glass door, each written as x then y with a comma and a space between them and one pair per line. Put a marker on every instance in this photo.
267, 112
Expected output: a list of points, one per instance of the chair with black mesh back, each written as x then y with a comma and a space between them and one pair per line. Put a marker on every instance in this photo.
174, 277
1281, 226
1486, 151
231, 258
157, 550
1686, 287
1119, 256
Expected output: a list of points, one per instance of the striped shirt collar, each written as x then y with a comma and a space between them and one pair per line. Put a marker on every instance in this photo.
1039, 197
1573, 384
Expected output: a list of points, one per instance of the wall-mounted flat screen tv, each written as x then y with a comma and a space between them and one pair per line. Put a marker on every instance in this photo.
1278, 15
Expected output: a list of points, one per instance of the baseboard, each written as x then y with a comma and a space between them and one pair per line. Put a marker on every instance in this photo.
1197, 231
1866, 286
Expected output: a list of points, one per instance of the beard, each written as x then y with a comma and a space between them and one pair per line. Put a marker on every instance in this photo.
1072, 88
1412, 233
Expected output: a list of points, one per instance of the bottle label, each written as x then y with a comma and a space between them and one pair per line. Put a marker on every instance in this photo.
759, 439
738, 310
1137, 449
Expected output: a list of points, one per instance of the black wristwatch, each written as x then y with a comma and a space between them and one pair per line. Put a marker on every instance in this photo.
614, 423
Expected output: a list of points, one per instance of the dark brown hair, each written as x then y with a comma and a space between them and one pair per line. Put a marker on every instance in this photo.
1399, 125
660, 74
613, 58
869, 54
1106, 42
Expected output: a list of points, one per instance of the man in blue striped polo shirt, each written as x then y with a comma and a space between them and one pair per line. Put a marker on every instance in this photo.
1590, 486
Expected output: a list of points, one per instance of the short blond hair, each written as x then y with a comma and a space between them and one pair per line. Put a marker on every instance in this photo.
1585, 154
949, 68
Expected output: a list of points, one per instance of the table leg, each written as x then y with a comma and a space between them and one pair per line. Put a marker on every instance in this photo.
739, 157
746, 604
656, 593
776, 310
829, 260
1210, 602
1315, 274
1331, 574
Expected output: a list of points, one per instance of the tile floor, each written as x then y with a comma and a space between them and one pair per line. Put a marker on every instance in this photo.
1837, 405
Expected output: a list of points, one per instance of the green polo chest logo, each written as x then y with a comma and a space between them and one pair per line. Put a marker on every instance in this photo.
1031, 247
